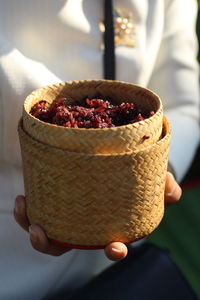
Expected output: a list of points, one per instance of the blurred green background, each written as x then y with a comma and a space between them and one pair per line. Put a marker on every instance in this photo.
179, 231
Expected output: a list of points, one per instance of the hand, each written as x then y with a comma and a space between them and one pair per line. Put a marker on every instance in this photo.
118, 251
114, 251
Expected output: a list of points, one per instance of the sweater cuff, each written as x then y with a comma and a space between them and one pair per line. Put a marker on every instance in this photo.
184, 142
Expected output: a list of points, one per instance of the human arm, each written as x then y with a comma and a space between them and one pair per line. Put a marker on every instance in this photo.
175, 78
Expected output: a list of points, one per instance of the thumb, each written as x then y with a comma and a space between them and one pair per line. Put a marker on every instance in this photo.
173, 191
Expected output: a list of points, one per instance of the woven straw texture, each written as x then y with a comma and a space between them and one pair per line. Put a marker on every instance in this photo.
92, 200
114, 140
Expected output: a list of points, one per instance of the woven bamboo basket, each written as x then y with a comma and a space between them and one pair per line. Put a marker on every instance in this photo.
86, 196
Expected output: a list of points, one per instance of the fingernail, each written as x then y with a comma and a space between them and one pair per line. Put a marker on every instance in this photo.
116, 254
116, 250
33, 234
171, 184
19, 206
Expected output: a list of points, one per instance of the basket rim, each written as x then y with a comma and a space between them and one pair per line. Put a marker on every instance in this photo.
100, 81
166, 133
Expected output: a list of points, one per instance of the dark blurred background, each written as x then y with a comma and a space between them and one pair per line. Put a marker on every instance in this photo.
179, 231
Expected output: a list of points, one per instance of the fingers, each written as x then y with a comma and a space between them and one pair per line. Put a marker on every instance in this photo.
38, 238
116, 251
20, 212
173, 191
41, 243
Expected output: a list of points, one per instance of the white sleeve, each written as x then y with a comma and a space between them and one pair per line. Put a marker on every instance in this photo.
175, 79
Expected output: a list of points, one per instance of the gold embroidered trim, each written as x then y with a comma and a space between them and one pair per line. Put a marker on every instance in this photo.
124, 29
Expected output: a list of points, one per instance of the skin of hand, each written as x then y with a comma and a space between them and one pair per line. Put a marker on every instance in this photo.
114, 251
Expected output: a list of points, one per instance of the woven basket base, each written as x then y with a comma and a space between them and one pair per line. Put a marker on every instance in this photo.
81, 247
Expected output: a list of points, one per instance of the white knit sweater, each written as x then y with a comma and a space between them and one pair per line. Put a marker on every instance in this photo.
43, 42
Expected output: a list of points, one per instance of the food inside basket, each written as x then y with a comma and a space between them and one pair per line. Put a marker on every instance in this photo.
90, 113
